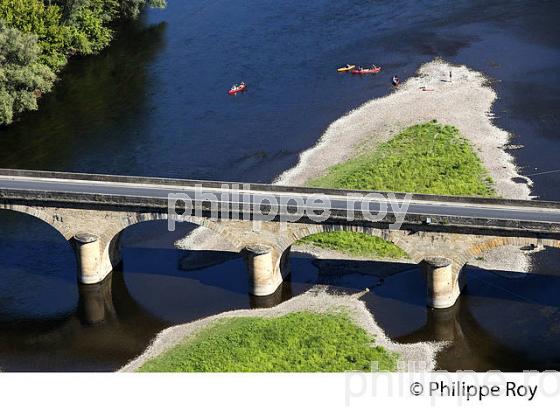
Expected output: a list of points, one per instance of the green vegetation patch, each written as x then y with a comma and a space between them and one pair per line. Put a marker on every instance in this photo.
296, 342
428, 158
355, 243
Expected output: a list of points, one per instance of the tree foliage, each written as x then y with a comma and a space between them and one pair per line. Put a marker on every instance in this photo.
89, 22
33, 17
131, 8
23, 77
38, 36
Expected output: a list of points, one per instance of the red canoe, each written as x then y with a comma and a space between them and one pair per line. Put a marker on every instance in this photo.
367, 70
238, 89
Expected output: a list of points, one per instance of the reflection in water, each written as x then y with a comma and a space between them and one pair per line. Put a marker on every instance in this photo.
470, 346
96, 302
283, 293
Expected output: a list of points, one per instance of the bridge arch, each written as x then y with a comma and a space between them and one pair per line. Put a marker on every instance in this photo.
394, 237
38, 267
298, 232
486, 244
498, 242
111, 237
43, 215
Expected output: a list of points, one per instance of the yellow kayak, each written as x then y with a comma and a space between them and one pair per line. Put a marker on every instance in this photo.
348, 67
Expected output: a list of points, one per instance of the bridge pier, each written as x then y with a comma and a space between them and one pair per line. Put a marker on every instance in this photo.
264, 273
443, 284
93, 263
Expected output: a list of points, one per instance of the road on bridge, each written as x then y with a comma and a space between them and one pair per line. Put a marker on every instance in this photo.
141, 189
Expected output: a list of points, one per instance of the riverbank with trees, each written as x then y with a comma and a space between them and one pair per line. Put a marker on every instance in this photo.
38, 37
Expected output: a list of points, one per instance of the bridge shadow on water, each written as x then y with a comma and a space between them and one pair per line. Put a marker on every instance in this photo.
496, 323
499, 322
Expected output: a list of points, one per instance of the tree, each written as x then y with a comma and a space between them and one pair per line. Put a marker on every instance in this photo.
44, 21
23, 77
89, 22
131, 8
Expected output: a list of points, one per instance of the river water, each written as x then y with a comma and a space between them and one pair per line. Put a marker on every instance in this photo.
155, 104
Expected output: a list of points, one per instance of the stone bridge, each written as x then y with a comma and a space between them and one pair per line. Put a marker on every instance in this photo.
91, 212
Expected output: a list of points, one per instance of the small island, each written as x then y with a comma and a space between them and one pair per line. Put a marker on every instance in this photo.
313, 332
296, 342
428, 158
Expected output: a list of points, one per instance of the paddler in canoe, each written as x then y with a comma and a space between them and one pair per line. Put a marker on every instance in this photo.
237, 88
370, 70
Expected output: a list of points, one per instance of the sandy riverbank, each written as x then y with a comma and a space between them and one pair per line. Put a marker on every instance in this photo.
464, 101
416, 357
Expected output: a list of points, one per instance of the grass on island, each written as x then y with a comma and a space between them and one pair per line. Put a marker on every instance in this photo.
296, 342
355, 243
428, 158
